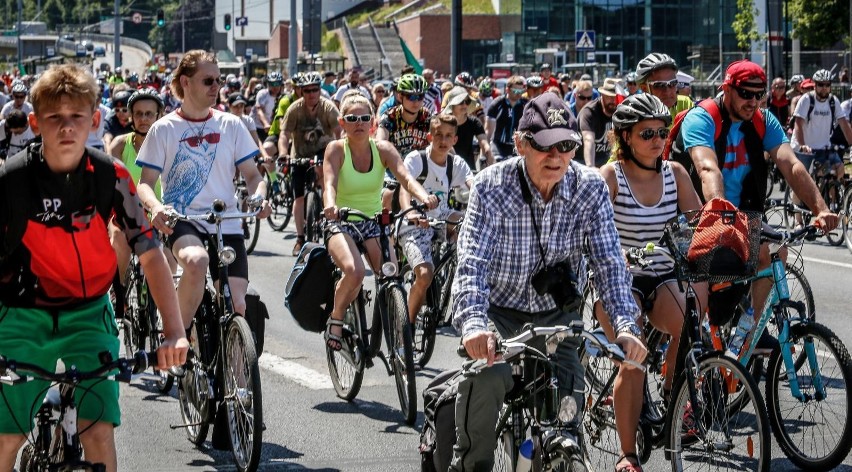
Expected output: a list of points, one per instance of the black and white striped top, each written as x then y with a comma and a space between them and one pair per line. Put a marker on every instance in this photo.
639, 224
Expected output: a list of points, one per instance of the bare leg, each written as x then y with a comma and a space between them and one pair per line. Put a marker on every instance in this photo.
9, 446
193, 258
99, 444
423, 274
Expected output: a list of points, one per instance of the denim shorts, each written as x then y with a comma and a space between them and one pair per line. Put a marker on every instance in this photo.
823, 156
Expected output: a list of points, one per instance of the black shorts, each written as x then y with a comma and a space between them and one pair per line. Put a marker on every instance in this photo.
239, 268
646, 287
299, 174
262, 134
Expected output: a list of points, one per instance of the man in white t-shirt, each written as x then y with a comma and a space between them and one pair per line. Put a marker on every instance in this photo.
19, 101
195, 151
354, 84
266, 102
438, 180
15, 134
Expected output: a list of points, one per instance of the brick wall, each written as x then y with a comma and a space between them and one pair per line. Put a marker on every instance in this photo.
279, 46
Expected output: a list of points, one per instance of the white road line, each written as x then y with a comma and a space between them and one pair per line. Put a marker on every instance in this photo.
831, 263
294, 371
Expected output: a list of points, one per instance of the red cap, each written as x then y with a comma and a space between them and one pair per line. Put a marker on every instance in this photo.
808, 84
739, 72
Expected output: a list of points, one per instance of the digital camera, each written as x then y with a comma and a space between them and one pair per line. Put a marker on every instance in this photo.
559, 282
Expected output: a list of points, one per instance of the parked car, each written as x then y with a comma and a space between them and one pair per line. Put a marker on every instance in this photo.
99, 51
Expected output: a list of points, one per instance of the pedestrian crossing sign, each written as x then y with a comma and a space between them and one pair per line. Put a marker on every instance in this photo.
585, 40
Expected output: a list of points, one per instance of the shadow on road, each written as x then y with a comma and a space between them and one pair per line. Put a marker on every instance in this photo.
375, 411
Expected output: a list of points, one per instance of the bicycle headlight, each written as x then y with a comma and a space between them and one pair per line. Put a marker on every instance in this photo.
227, 255
567, 409
389, 269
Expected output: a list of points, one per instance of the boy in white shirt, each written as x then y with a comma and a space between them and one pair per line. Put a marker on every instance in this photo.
15, 134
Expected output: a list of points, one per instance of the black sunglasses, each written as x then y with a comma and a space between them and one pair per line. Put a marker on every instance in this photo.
748, 94
584, 97
357, 118
211, 80
311, 90
823, 84
648, 134
661, 84
19, 96
561, 146
414, 97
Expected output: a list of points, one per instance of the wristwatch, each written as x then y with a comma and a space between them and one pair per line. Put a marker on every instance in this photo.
632, 328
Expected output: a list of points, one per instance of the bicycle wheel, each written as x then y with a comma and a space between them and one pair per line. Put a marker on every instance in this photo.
562, 459
313, 216
425, 323
196, 409
165, 382
587, 308
598, 437
445, 303
346, 366
833, 196
708, 434
400, 352
504, 452
846, 217
281, 203
815, 433
789, 216
243, 397
251, 233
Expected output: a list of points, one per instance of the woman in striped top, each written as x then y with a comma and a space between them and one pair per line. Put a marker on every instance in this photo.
646, 192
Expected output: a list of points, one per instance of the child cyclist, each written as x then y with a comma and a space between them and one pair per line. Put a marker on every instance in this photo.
444, 172
57, 264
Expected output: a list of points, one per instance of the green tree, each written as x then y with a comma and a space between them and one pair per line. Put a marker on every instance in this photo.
744, 25
820, 23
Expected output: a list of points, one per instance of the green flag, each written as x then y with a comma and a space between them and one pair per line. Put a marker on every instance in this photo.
410, 59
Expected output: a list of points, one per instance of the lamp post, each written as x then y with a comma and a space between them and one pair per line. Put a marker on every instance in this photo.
20, 41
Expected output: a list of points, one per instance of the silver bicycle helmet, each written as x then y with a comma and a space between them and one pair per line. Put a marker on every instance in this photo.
822, 75
310, 78
640, 107
652, 62
534, 81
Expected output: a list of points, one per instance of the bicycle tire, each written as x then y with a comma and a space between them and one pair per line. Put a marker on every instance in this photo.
563, 460
281, 203
504, 452
587, 308
346, 366
425, 323
833, 196
846, 217
243, 395
195, 407
789, 218
401, 353
800, 291
313, 216
598, 437
253, 233
445, 312
797, 424
725, 423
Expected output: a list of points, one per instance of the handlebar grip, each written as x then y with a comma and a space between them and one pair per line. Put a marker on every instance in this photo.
461, 351
255, 201
218, 206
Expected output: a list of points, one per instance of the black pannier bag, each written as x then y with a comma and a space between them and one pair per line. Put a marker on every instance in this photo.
439, 425
256, 316
309, 294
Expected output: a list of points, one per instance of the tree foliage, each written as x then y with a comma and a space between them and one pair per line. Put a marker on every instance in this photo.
820, 23
744, 25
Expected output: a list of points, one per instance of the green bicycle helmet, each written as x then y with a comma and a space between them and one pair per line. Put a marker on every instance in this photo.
412, 84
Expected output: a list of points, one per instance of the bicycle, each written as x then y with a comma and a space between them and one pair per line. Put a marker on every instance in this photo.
436, 307
313, 197
54, 444
222, 378
141, 324
280, 198
812, 367
830, 188
250, 224
532, 410
390, 315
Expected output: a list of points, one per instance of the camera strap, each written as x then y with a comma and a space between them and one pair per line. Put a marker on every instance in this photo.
526, 193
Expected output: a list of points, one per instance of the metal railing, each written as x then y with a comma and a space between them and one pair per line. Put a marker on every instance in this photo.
348, 35
385, 61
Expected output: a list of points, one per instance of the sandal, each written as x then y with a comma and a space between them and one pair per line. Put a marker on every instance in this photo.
333, 341
632, 466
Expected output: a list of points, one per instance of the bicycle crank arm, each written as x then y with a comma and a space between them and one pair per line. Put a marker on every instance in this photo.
381, 355
190, 425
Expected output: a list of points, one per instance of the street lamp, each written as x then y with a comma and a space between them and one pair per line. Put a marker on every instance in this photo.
646, 32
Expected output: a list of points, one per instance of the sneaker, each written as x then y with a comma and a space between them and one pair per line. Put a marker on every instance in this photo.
297, 248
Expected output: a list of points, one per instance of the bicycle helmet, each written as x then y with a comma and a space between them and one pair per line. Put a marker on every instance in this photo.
822, 75
486, 87
121, 98
310, 78
133, 78
652, 62
297, 79
19, 88
465, 80
145, 94
412, 83
630, 77
534, 81
797, 79
234, 83
639, 107
274, 78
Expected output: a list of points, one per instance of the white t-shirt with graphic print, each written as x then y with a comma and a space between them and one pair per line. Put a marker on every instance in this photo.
197, 160
817, 131
436, 177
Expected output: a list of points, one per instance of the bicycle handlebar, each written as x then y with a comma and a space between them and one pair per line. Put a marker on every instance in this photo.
126, 368
785, 237
216, 215
513, 347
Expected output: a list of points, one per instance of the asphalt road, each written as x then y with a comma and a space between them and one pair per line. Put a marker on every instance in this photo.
309, 428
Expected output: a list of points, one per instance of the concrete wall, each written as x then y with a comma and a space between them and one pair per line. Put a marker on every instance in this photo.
279, 46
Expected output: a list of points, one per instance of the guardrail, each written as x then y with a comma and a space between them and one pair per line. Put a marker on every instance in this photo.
106, 38
351, 42
386, 62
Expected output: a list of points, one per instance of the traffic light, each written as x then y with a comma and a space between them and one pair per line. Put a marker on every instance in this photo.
161, 18
227, 22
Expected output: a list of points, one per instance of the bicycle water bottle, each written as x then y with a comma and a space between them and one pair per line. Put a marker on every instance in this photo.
525, 454
683, 235
743, 328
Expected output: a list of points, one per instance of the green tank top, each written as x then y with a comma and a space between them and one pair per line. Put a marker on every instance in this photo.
360, 190
128, 156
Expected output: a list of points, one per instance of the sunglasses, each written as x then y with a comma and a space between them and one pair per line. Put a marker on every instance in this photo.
274, 84
649, 134
357, 118
748, 94
561, 146
209, 81
311, 90
583, 97
121, 110
823, 84
518, 90
19, 96
415, 97
663, 84
147, 115
194, 141
779, 86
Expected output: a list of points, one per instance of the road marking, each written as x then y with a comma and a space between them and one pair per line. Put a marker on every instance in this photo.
831, 263
295, 372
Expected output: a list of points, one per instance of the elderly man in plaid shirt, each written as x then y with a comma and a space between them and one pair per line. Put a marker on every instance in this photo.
526, 214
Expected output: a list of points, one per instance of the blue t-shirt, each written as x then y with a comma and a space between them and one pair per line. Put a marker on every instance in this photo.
698, 130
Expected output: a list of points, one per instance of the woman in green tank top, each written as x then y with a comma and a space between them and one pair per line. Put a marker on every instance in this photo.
354, 169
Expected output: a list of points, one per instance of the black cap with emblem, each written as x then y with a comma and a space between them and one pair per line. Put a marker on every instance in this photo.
549, 120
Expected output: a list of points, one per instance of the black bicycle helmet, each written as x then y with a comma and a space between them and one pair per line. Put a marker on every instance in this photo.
640, 107
464, 79
652, 62
145, 94
822, 75
121, 98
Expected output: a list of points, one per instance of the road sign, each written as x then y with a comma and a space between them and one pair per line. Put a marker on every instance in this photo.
585, 40
137, 17
242, 21
49, 51
249, 52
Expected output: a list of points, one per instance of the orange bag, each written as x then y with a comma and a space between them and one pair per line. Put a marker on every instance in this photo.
721, 244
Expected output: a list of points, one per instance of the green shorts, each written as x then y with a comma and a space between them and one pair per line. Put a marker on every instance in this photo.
41, 337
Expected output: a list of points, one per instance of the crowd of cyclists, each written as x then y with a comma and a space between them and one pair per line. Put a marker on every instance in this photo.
563, 177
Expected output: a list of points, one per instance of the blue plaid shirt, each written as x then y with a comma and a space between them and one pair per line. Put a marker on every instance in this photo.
498, 254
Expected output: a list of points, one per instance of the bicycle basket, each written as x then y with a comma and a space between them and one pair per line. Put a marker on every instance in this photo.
714, 245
